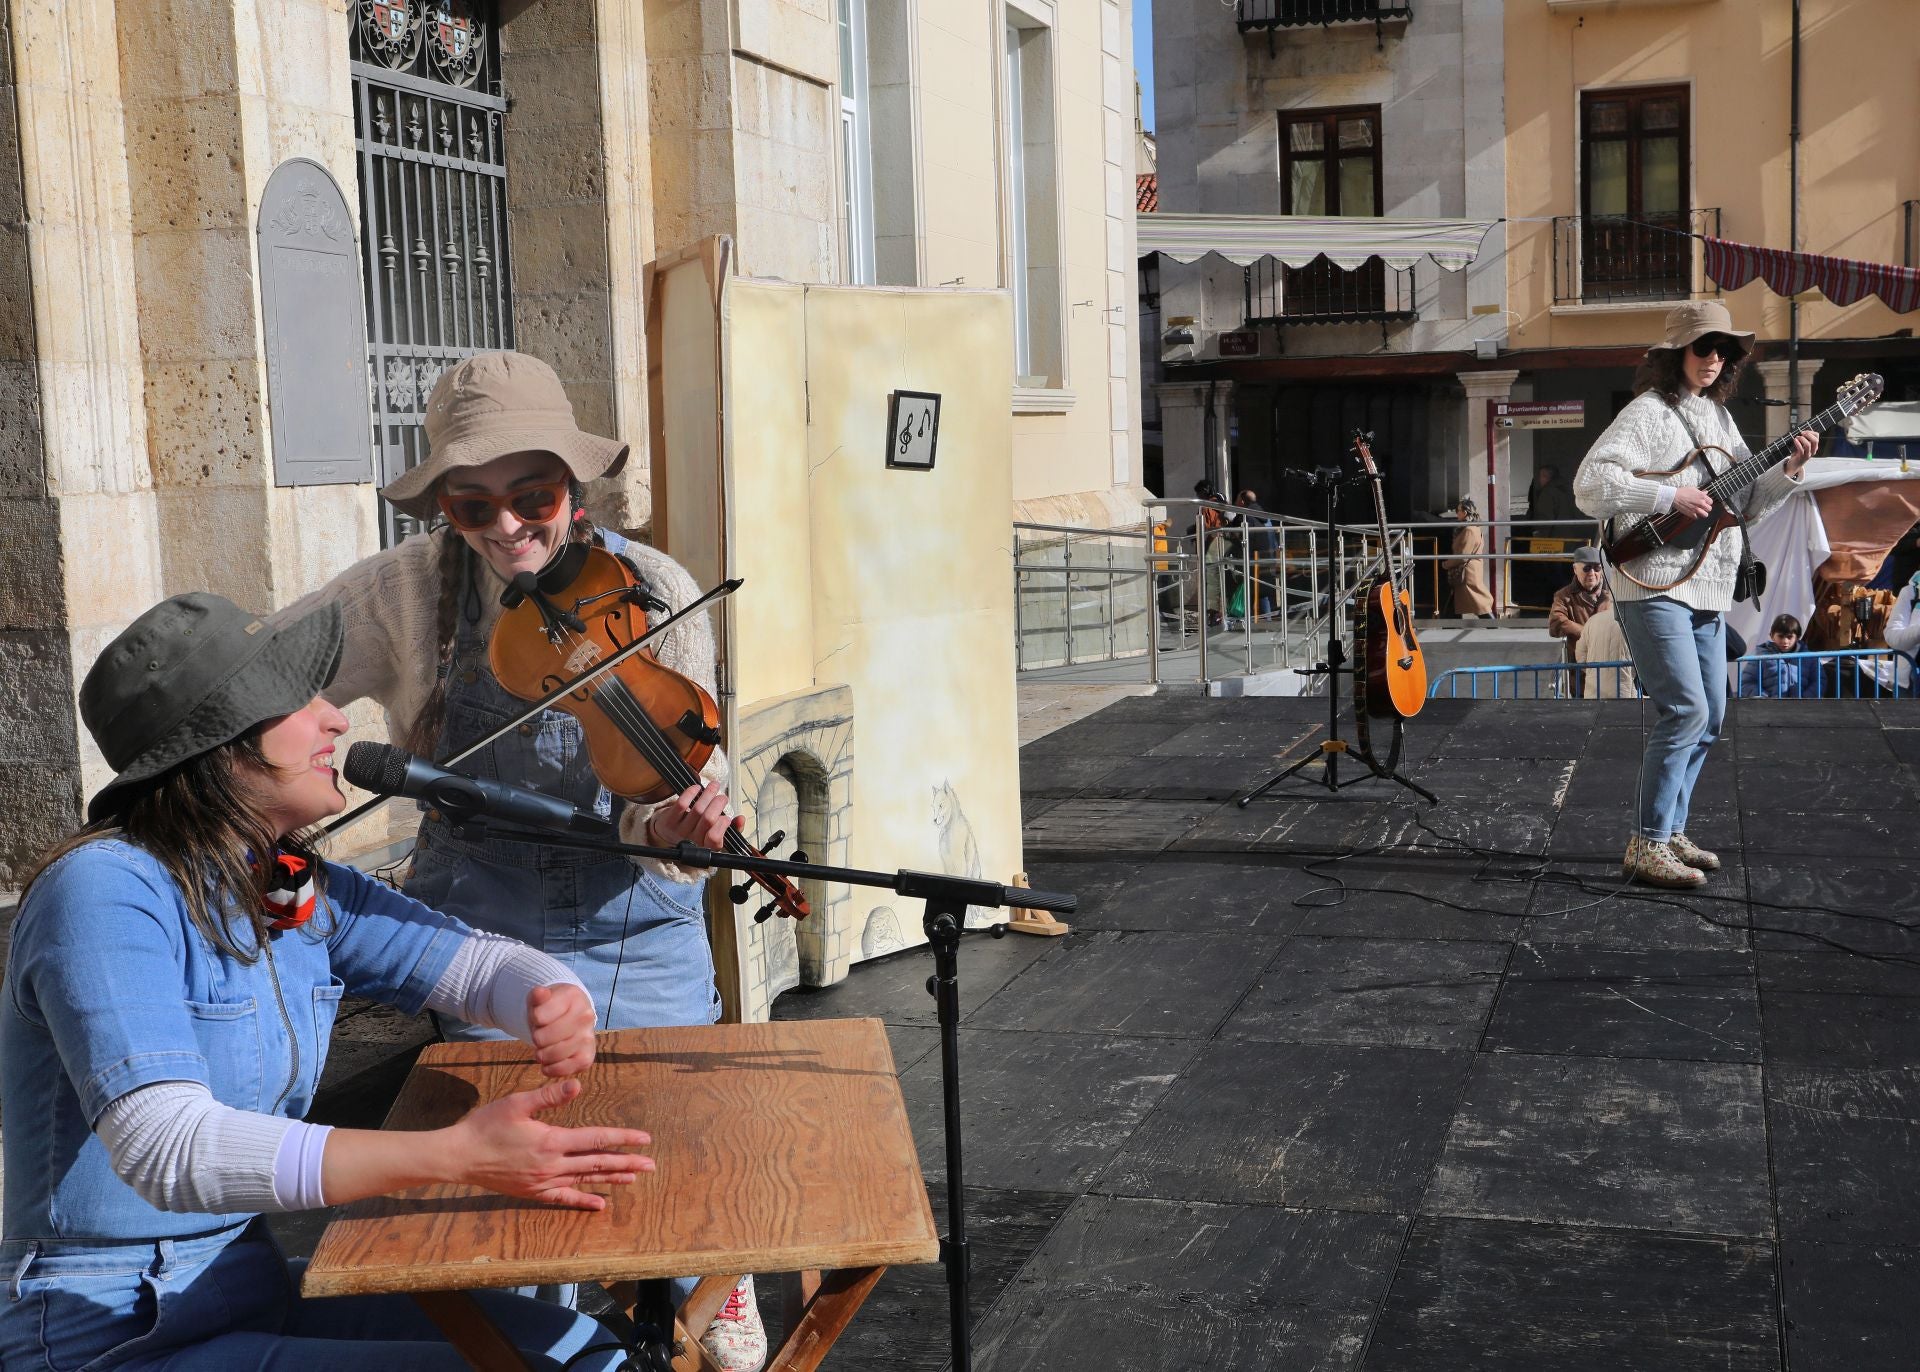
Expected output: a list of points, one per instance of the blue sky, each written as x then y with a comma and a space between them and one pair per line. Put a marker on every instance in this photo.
1143, 57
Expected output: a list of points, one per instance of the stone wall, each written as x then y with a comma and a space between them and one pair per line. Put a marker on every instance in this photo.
579, 173
75, 486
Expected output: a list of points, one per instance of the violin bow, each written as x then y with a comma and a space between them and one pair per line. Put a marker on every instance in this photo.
606, 664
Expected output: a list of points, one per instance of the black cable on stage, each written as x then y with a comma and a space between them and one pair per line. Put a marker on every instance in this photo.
1543, 873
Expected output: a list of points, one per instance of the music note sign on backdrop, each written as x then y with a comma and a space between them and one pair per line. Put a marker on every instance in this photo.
913, 429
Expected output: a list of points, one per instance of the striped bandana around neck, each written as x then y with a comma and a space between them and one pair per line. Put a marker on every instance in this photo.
289, 896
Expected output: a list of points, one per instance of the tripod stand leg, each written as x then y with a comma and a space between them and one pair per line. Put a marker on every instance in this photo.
1279, 777
1392, 773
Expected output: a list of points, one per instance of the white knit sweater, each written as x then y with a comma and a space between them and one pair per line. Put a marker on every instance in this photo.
1648, 436
389, 603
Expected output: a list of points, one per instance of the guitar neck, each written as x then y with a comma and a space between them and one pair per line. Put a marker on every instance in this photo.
1750, 469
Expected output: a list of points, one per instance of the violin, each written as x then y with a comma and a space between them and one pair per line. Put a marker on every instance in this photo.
649, 729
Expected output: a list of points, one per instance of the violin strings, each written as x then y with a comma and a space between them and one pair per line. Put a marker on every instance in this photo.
647, 737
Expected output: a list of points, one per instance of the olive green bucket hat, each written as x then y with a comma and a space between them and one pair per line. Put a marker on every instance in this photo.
493, 405
192, 673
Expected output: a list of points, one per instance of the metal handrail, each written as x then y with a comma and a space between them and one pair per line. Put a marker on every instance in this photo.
1118, 610
1136, 586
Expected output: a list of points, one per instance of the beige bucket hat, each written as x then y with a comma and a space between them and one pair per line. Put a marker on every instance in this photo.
1697, 319
491, 405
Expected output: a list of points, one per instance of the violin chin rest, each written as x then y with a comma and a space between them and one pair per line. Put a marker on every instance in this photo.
522, 586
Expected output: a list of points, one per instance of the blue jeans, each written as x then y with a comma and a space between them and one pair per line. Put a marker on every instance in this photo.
1680, 656
210, 1305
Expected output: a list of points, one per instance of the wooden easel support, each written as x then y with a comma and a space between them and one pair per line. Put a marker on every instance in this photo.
1021, 920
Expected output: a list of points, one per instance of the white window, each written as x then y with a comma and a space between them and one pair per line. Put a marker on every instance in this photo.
1033, 227
856, 143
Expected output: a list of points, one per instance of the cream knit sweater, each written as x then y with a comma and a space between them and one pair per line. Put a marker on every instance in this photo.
1648, 436
388, 607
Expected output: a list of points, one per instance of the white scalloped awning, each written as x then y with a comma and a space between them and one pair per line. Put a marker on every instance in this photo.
1298, 239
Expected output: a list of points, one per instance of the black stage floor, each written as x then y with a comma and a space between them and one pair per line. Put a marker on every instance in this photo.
1347, 1082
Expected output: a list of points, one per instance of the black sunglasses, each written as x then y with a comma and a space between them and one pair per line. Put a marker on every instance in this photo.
1708, 344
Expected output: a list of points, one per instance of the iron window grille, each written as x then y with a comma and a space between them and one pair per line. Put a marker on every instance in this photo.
1270, 16
428, 128
1602, 258
1322, 293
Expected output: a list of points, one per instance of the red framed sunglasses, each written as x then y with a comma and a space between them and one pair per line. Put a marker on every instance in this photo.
474, 511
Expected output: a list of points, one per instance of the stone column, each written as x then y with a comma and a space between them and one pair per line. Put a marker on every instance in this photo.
1482, 388
1774, 374
1186, 454
218, 96
579, 204
81, 554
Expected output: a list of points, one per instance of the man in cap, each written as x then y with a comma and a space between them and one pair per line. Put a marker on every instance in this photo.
1577, 602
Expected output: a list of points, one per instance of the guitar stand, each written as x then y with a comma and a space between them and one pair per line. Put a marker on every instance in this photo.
1332, 748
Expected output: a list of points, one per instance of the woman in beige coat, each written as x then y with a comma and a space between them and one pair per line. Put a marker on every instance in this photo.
1466, 570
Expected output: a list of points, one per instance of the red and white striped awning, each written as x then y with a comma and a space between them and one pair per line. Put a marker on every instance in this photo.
1297, 239
1843, 280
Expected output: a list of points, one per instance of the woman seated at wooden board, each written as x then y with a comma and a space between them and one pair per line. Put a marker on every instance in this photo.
175, 971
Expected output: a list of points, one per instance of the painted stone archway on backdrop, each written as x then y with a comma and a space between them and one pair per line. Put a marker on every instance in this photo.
795, 766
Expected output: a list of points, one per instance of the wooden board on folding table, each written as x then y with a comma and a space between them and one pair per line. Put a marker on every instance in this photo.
781, 1148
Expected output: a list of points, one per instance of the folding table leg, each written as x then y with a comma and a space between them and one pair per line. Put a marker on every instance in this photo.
839, 1296
470, 1331
695, 1314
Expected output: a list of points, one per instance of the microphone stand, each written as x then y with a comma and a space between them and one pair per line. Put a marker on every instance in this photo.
947, 899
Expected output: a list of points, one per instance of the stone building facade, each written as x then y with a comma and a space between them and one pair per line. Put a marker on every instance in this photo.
986, 144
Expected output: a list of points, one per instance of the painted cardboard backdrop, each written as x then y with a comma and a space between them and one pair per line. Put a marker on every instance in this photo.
871, 646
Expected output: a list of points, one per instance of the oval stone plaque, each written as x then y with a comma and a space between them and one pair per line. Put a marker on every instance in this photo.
316, 332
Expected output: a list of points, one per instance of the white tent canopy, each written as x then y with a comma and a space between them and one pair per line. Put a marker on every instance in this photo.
1792, 541
1888, 422
1297, 240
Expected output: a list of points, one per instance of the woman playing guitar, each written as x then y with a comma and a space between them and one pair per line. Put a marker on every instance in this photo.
1670, 442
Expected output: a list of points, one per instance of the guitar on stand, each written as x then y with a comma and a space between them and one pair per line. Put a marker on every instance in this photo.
1389, 672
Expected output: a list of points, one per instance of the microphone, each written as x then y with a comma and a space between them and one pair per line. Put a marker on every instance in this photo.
391, 771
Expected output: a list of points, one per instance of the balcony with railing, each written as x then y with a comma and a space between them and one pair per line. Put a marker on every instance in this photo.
1287, 14
1618, 259
1321, 293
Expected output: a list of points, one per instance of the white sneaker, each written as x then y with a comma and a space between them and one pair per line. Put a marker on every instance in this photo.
736, 1338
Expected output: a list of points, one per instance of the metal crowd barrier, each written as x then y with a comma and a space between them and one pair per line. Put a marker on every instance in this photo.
1833, 674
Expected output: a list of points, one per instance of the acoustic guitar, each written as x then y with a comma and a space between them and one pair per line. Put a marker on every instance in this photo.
1676, 530
1393, 682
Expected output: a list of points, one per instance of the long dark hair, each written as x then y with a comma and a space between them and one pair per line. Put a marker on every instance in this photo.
200, 822
1663, 371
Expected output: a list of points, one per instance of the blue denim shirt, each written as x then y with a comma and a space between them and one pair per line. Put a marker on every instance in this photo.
109, 987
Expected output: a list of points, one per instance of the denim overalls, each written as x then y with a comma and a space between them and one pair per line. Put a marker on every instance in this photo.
637, 941
109, 987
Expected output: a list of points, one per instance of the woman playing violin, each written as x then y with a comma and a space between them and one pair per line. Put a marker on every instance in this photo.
505, 472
